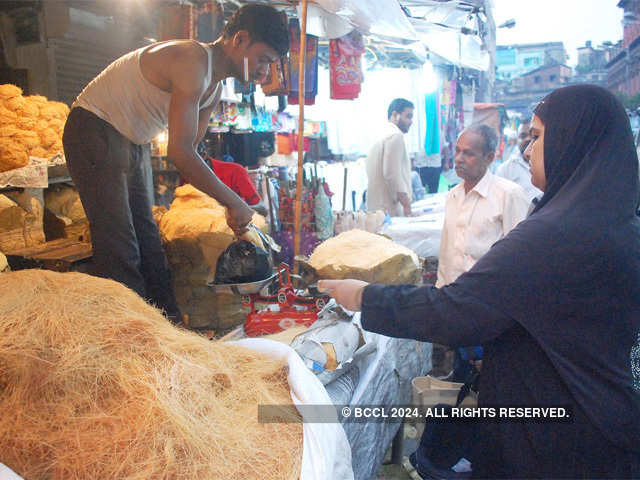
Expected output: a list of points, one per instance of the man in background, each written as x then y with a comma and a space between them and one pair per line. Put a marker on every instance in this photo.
388, 166
481, 209
516, 168
418, 189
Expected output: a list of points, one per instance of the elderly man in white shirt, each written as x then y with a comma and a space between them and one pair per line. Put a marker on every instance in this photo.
481, 209
388, 166
516, 168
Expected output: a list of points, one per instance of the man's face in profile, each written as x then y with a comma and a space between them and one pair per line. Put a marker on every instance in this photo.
524, 136
405, 119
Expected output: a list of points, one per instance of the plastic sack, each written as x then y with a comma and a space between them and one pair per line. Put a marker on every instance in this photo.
7, 474
243, 262
324, 215
341, 389
332, 344
326, 452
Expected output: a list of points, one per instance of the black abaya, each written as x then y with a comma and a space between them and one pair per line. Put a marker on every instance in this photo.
556, 304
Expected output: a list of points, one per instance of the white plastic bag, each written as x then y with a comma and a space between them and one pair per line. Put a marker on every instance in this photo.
326, 452
7, 474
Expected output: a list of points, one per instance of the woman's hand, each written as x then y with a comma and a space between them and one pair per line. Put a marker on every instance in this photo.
347, 293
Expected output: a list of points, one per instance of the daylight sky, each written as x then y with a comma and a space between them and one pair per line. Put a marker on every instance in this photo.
569, 21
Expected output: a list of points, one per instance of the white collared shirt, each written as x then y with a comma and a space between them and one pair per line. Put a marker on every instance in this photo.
516, 169
389, 173
474, 221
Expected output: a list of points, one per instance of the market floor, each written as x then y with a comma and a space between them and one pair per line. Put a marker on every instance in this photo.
395, 472
401, 472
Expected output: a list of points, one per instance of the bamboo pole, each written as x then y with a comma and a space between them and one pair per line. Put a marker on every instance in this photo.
301, 88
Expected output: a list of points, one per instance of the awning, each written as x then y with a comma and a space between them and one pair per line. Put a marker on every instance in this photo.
367, 17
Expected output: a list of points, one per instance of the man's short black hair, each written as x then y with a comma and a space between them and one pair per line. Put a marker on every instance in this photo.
398, 105
264, 23
488, 134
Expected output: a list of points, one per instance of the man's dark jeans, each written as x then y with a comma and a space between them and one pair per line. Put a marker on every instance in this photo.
114, 180
430, 177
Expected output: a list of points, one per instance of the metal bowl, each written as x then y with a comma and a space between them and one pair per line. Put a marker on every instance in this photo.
241, 288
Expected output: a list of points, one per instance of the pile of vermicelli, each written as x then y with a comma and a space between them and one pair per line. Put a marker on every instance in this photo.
96, 384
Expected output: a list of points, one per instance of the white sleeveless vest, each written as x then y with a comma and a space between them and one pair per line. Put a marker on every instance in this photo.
135, 107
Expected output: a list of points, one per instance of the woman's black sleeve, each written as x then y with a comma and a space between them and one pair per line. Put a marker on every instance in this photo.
446, 315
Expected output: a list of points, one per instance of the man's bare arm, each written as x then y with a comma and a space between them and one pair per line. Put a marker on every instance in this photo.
203, 122
187, 88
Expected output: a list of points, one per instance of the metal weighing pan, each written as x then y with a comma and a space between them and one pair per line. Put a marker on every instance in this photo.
241, 288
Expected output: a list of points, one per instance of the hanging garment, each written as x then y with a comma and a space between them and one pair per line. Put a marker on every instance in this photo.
311, 66
345, 66
432, 139
284, 143
277, 83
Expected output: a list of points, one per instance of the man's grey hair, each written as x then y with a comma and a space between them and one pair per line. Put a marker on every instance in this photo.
488, 134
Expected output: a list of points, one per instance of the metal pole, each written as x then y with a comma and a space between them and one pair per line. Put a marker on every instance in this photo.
344, 189
301, 87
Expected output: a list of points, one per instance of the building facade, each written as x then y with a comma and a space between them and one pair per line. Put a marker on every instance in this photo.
516, 60
528, 72
623, 70
524, 92
592, 63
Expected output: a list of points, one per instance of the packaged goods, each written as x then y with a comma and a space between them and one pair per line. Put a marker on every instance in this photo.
65, 201
195, 233
365, 256
21, 215
243, 262
64, 216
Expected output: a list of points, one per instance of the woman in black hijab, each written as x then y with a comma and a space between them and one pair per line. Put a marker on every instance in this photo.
556, 303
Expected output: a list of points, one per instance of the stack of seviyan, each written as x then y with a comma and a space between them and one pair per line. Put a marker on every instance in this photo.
366, 256
96, 384
21, 217
30, 126
195, 233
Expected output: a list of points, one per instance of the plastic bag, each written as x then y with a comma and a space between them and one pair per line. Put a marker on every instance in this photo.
243, 262
324, 215
326, 452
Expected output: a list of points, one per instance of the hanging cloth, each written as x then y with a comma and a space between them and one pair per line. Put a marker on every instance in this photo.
277, 80
311, 66
345, 66
432, 138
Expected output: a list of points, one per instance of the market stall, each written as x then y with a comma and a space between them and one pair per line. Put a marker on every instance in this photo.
357, 368
311, 186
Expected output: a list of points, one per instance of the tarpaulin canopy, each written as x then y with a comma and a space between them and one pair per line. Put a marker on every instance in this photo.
450, 29
365, 15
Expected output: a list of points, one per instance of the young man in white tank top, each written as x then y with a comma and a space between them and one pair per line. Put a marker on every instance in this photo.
106, 137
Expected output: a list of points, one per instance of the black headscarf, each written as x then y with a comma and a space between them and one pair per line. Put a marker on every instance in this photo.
570, 273
583, 123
